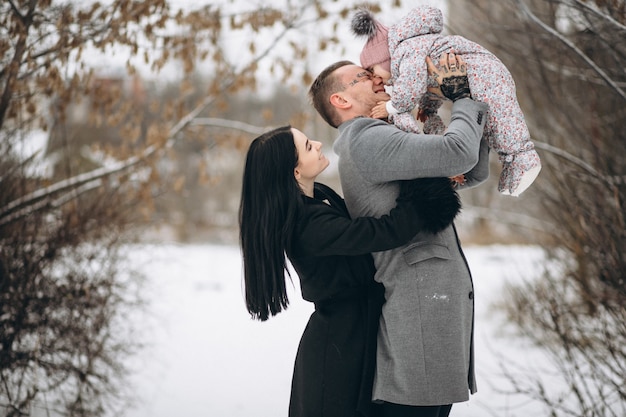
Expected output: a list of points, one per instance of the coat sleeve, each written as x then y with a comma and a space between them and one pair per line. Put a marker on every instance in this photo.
480, 172
325, 231
384, 153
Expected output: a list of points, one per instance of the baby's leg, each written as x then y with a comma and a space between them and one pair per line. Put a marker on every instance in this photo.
429, 105
506, 127
406, 122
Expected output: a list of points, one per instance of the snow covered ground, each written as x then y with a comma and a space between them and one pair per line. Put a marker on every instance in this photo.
208, 358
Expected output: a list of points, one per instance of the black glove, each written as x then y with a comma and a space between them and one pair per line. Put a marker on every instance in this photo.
456, 87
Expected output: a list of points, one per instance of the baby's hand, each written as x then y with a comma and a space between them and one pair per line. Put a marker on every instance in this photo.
458, 180
379, 111
421, 115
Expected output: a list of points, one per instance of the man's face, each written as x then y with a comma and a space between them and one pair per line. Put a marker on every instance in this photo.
363, 89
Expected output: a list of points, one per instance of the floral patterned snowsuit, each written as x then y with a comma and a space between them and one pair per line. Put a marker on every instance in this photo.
418, 35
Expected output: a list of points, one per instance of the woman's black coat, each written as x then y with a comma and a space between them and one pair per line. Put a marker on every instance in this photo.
334, 367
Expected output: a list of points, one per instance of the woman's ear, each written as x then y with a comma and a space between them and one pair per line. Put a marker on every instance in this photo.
296, 173
339, 101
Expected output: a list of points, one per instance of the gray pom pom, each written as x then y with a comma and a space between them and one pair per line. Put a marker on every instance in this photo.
364, 24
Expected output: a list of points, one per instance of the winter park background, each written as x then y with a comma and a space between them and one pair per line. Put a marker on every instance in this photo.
127, 137
208, 358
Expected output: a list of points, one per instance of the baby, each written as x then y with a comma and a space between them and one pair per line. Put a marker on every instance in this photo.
397, 54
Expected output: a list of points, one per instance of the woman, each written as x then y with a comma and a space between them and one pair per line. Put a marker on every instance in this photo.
284, 211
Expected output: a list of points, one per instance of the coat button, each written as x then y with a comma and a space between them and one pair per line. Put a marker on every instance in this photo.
471, 295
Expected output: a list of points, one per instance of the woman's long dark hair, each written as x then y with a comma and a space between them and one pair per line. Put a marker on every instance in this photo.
270, 198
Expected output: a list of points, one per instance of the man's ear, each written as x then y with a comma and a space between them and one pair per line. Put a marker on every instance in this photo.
339, 101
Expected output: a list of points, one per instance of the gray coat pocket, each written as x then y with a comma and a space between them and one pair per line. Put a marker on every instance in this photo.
422, 251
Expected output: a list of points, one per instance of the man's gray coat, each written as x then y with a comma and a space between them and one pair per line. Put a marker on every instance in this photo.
425, 340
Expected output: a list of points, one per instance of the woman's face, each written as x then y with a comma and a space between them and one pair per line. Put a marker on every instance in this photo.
311, 160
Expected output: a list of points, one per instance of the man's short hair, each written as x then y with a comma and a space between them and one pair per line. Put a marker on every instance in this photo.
326, 84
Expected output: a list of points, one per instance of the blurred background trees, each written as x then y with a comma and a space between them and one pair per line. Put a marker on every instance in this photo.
136, 110
568, 59
141, 110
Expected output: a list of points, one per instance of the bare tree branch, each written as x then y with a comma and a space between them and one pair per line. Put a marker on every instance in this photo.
47, 203
572, 46
229, 124
568, 156
14, 66
99, 173
611, 180
604, 16
580, 74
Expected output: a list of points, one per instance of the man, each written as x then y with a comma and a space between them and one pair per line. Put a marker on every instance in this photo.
424, 353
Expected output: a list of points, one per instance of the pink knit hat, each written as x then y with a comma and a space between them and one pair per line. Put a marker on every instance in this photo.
376, 50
